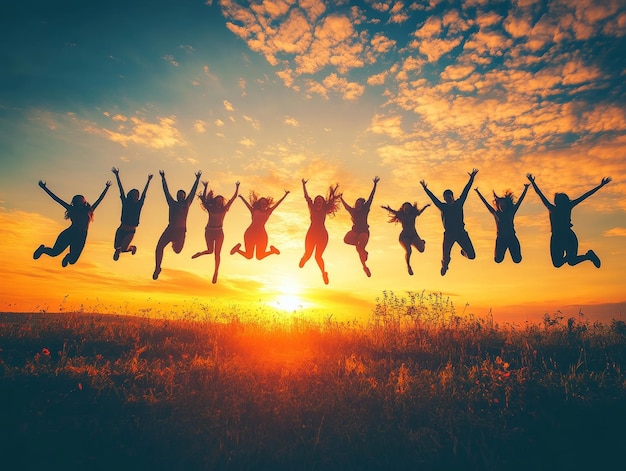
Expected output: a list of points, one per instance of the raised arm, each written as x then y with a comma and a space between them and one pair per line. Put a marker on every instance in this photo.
345, 205
388, 208
166, 191
279, 201
194, 188
605, 181
420, 211
521, 198
101, 197
42, 184
468, 186
116, 172
371, 198
431, 195
245, 201
544, 200
482, 198
230, 201
306, 194
145, 188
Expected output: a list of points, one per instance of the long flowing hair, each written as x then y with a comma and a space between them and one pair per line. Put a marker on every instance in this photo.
395, 218
332, 200
254, 199
209, 201
78, 207
508, 196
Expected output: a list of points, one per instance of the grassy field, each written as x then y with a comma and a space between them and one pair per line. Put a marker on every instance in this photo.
414, 387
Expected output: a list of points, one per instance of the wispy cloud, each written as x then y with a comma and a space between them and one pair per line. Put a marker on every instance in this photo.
137, 130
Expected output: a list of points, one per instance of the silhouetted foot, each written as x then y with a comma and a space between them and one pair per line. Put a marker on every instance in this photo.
302, 262
39, 251
444, 269
325, 276
133, 250
155, 275
410, 271
274, 250
594, 258
214, 280
197, 254
65, 262
116, 254
464, 253
367, 271
234, 250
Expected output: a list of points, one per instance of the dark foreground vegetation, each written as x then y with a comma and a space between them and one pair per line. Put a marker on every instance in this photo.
414, 387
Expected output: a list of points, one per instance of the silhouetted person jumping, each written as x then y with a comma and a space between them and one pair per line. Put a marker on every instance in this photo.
80, 213
255, 237
406, 216
132, 204
453, 223
563, 241
317, 235
176, 229
359, 235
216, 207
503, 211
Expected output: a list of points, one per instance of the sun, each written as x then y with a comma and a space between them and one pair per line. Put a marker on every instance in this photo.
289, 297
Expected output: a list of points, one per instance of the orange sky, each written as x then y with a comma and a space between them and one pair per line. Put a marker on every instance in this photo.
269, 94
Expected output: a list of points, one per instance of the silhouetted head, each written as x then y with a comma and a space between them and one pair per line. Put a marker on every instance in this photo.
133, 195
262, 204
181, 195
448, 196
561, 198
219, 201
406, 207
79, 201
359, 203
318, 202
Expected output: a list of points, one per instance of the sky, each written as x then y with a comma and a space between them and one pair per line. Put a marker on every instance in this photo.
267, 93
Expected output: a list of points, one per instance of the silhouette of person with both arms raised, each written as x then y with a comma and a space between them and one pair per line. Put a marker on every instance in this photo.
563, 241
317, 235
80, 213
255, 237
503, 211
176, 229
359, 235
132, 204
406, 216
453, 223
216, 207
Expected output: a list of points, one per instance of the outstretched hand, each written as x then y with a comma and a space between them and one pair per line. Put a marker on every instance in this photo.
473, 172
150, 176
198, 174
304, 182
162, 173
605, 181
115, 170
376, 180
424, 184
42, 183
530, 177
108, 183
237, 183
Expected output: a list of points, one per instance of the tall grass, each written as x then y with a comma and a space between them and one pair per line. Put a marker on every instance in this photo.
417, 386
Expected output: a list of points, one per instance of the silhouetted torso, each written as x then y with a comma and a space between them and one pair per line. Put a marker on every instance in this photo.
130, 212
178, 211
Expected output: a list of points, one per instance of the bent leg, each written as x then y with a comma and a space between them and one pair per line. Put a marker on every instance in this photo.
500, 250
467, 248
557, 251
515, 250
